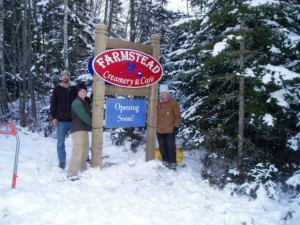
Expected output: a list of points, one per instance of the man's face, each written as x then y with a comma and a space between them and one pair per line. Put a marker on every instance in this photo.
65, 78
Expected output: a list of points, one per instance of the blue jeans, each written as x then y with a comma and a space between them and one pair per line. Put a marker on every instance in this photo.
62, 130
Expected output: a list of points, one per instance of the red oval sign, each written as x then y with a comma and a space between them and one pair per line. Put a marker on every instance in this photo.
127, 68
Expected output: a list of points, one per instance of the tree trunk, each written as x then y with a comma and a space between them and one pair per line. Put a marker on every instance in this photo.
29, 64
13, 45
66, 59
131, 16
241, 103
106, 11
3, 92
23, 70
110, 18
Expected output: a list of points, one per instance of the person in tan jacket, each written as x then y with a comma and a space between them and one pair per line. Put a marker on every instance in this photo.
168, 123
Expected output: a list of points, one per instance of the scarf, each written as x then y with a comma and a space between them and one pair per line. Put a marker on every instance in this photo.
164, 99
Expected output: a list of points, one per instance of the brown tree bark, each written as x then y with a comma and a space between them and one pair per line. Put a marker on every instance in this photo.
241, 103
3, 92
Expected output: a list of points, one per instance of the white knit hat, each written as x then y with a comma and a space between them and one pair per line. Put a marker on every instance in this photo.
163, 88
65, 72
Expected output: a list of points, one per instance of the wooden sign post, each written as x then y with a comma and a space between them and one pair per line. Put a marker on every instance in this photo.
102, 44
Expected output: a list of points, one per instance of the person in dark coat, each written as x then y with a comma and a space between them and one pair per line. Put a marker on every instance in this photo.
60, 109
168, 123
81, 125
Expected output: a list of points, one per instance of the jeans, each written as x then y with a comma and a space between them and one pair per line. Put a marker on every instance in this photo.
62, 131
167, 147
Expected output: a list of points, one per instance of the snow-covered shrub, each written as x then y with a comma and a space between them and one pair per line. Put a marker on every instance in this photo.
216, 165
263, 175
294, 181
118, 136
134, 135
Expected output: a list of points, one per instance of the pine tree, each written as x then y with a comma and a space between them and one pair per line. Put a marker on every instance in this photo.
33, 48
149, 17
81, 22
205, 61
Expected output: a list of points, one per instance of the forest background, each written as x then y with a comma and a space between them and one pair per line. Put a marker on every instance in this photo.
234, 67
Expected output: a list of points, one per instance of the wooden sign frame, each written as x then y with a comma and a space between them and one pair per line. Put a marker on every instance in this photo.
102, 43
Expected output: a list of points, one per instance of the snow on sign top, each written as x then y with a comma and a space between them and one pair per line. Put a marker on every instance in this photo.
127, 68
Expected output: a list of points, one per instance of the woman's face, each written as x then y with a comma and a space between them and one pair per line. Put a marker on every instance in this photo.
164, 94
82, 93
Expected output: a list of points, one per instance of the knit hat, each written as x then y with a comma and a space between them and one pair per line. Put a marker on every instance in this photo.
163, 88
65, 72
81, 86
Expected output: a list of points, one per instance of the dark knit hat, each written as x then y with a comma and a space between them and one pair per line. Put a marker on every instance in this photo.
81, 86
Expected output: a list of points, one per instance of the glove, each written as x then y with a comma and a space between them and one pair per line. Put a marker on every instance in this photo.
176, 130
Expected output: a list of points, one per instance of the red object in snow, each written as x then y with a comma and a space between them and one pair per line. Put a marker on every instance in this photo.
12, 131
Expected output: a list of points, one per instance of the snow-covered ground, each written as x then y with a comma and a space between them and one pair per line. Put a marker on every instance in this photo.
145, 194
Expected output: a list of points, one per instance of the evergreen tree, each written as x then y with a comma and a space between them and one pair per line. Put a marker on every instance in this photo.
205, 62
33, 48
149, 17
117, 20
81, 22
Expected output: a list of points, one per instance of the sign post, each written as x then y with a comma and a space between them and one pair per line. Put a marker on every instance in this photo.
133, 69
98, 102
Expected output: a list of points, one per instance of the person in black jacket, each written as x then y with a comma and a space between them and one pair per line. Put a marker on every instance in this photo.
81, 125
60, 109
